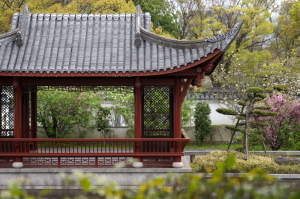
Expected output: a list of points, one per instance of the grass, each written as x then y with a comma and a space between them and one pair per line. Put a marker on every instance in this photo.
195, 145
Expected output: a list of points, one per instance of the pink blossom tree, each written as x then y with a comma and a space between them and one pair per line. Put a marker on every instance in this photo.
285, 123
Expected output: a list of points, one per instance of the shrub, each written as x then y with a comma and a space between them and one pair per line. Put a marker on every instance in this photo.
209, 163
202, 121
60, 111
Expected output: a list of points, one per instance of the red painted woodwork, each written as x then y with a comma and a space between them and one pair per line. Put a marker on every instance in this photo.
93, 148
18, 115
177, 116
33, 118
137, 115
101, 152
185, 89
1, 128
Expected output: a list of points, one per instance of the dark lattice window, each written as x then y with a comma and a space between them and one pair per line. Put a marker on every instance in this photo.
157, 111
7, 111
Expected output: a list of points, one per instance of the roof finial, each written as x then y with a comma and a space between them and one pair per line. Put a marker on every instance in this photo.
23, 26
138, 39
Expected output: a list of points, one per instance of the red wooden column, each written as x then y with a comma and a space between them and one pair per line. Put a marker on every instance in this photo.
1, 130
25, 115
18, 120
138, 119
34, 116
177, 116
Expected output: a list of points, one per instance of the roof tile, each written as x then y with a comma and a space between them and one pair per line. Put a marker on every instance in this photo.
86, 43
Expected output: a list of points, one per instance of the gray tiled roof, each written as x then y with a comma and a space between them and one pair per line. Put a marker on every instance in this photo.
94, 43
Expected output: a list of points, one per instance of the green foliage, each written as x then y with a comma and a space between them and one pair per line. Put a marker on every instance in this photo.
232, 128
187, 111
280, 88
102, 121
219, 146
209, 163
226, 111
9, 7
123, 103
60, 111
241, 103
263, 113
163, 14
202, 121
262, 107
254, 90
130, 133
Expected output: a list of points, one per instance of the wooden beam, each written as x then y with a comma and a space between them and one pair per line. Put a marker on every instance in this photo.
117, 81
6, 81
60, 81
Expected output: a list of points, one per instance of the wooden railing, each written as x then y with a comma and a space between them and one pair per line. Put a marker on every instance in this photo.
52, 150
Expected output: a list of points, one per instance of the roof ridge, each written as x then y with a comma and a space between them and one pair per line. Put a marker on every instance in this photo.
22, 26
175, 43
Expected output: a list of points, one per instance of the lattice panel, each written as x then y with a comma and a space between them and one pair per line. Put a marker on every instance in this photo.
158, 161
157, 111
7, 111
76, 161
6, 161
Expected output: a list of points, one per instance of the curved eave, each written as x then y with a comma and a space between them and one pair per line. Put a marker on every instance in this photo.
210, 56
223, 40
172, 43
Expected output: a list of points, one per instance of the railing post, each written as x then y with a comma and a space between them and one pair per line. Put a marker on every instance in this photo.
18, 120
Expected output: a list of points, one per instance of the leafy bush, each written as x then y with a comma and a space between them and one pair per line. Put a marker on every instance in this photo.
209, 163
60, 111
202, 121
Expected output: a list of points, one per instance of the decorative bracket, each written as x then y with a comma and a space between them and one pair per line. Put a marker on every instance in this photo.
200, 76
185, 89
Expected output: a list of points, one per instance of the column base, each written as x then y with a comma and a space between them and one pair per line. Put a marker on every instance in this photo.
177, 164
137, 164
17, 165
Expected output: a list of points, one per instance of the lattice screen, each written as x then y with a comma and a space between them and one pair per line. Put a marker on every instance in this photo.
157, 111
7, 111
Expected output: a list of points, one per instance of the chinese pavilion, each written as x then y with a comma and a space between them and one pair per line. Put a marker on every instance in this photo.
99, 50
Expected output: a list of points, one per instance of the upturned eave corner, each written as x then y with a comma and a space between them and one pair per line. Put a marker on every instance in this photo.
17, 34
226, 39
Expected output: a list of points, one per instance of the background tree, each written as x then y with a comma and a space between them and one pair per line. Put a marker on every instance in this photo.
59, 112
281, 127
202, 121
163, 14
243, 124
